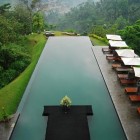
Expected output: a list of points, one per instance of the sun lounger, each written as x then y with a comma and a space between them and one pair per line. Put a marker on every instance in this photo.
134, 98
117, 65
106, 50
129, 76
110, 54
127, 82
122, 76
123, 70
138, 109
112, 58
131, 90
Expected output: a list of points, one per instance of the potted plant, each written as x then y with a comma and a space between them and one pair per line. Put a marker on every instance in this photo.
65, 103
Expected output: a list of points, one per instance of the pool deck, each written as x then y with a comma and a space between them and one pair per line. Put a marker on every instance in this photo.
126, 110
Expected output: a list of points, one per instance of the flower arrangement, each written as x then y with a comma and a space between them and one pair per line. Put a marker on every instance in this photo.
65, 101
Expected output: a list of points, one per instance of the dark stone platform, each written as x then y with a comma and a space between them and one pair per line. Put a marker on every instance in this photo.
72, 125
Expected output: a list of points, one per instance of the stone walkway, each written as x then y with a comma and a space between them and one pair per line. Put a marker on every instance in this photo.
126, 110
6, 128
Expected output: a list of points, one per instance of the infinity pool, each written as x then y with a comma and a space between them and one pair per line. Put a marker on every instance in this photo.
67, 66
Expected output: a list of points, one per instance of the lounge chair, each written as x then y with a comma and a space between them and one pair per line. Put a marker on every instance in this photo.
106, 50
116, 65
134, 98
112, 58
111, 54
127, 82
131, 90
123, 69
122, 76
138, 109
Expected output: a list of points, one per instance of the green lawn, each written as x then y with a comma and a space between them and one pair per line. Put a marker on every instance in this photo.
97, 42
11, 94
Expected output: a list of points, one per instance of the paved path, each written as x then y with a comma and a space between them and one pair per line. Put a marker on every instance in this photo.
126, 110
129, 117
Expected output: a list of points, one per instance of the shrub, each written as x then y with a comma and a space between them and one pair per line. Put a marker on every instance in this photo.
99, 38
14, 59
131, 35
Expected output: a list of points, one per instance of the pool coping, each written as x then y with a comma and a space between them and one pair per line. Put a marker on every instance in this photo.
13, 125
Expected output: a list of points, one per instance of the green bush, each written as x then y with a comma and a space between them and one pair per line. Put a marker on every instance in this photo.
99, 38
14, 59
131, 34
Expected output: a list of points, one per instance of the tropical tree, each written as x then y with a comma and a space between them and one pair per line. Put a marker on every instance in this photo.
23, 16
13, 61
80, 19
132, 35
14, 57
38, 22
36, 5
10, 30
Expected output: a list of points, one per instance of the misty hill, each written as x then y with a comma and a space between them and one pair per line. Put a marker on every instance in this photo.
12, 2
4, 1
61, 6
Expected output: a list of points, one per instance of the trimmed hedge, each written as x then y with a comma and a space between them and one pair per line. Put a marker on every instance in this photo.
99, 38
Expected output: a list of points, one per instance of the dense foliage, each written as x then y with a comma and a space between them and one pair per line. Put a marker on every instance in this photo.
16, 23
13, 61
132, 35
80, 19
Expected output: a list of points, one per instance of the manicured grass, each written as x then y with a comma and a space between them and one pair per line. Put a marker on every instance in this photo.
11, 94
97, 42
